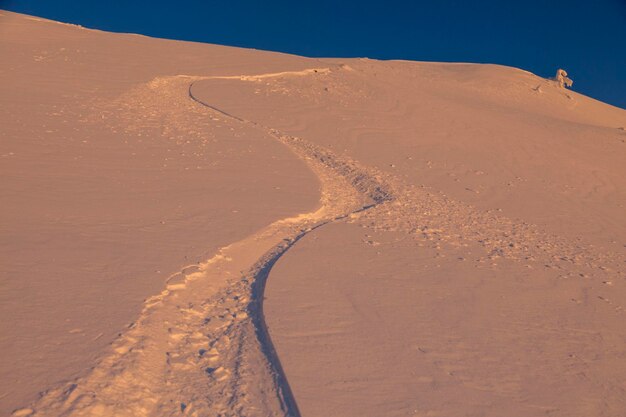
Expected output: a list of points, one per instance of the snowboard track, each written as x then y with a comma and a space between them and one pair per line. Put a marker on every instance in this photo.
362, 181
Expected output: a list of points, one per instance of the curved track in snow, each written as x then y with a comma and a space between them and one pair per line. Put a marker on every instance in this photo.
201, 347
364, 183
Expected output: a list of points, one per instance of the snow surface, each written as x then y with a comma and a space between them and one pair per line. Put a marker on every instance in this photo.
436, 239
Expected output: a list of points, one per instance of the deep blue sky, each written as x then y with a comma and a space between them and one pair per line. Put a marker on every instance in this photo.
587, 38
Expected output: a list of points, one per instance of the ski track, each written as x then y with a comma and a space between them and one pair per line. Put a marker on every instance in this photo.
201, 347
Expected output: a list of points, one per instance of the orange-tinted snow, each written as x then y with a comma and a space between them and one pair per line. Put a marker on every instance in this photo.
101, 201
449, 239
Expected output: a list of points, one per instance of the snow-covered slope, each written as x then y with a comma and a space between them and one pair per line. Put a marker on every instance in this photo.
106, 193
492, 282
437, 239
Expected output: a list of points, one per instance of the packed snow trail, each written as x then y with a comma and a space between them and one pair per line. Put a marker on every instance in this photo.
200, 347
